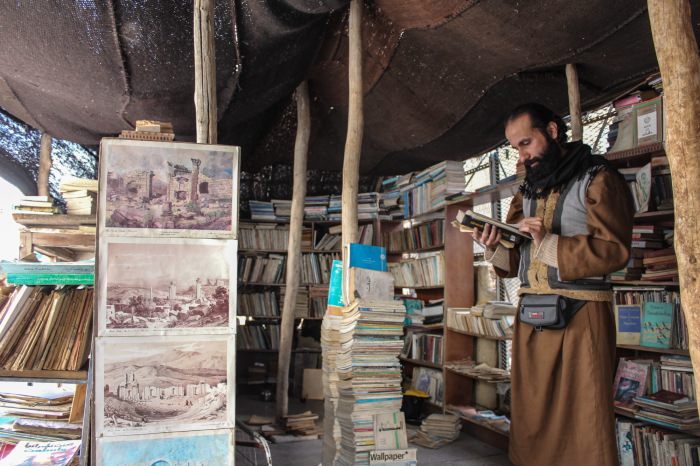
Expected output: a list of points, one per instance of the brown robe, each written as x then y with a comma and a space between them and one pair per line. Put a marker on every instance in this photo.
562, 380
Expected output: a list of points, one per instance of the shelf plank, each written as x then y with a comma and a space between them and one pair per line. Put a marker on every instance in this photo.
58, 220
418, 362
318, 285
284, 251
46, 376
636, 154
476, 423
643, 283
437, 247
630, 414
425, 287
477, 335
278, 317
655, 350
654, 215
302, 350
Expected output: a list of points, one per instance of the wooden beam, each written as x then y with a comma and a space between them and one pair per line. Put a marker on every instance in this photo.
45, 163
301, 153
205, 71
574, 102
677, 54
353, 141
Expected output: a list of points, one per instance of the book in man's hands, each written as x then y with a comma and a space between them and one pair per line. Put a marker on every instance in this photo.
509, 233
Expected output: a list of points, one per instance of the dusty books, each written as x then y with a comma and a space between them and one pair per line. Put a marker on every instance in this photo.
46, 330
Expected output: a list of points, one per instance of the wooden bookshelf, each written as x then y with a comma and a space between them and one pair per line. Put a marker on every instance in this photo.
474, 377
636, 155
630, 414
648, 349
478, 335
76, 377
483, 431
655, 215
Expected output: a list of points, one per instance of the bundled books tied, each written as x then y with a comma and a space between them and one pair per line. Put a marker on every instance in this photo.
369, 373
437, 430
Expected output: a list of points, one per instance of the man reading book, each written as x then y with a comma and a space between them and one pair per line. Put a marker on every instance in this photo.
579, 212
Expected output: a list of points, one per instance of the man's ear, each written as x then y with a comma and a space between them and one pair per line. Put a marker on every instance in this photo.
552, 130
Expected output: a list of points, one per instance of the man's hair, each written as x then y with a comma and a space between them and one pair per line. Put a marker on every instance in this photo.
540, 116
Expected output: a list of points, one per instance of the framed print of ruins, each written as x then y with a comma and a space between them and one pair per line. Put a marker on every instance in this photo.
150, 286
163, 384
168, 189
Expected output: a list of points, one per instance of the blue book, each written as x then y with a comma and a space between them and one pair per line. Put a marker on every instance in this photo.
365, 256
657, 325
628, 322
335, 288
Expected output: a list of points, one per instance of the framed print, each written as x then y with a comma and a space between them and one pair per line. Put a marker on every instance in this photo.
202, 447
157, 286
163, 384
168, 189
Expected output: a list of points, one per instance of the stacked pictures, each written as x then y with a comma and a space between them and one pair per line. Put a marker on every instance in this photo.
165, 349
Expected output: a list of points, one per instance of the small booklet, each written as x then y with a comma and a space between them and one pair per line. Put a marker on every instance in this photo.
509, 233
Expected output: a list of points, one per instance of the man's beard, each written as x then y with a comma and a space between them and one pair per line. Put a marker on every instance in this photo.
547, 163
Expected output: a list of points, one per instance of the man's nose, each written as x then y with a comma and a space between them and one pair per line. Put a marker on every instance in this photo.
523, 156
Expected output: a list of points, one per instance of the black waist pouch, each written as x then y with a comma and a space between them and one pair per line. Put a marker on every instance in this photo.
550, 311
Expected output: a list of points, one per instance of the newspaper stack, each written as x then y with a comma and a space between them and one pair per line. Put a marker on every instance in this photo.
36, 205
438, 430
330, 344
303, 424
370, 373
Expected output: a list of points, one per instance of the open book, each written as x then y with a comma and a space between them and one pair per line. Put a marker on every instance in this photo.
509, 233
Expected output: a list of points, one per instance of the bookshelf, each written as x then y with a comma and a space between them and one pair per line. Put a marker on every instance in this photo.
663, 218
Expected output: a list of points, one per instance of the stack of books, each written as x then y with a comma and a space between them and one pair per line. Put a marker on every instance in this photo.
35, 205
370, 373
80, 195
438, 430
447, 178
283, 208
303, 424
660, 265
316, 207
330, 347
488, 418
261, 210
261, 269
431, 313
367, 206
478, 371
473, 320
49, 331
150, 130
335, 207
390, 205
668, 409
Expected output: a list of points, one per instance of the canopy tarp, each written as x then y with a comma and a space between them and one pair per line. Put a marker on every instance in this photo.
439, 75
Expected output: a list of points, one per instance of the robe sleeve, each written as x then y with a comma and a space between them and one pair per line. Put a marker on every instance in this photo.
606, 248
507, 260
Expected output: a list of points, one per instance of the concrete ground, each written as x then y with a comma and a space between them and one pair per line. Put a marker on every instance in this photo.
465, 451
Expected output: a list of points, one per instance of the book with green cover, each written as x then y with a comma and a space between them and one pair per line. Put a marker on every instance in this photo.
50, 279
657, 324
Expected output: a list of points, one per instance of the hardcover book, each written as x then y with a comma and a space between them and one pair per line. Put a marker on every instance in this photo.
657, 325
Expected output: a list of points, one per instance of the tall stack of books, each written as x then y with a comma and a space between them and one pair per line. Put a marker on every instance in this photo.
367, 206
370, 373
335, 207
261, 210
330, 346
283, 208
80, 195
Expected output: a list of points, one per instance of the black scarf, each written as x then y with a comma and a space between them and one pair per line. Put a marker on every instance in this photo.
577, 162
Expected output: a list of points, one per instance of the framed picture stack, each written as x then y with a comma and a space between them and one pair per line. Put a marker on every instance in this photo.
166, 311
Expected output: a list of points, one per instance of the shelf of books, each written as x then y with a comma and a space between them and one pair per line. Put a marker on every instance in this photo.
654, 386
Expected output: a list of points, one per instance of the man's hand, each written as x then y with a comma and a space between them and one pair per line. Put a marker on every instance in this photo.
489, 238
535, 227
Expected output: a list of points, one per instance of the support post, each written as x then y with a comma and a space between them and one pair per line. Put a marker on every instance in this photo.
301, 152
205, 71
353, 141
45, 163
574, 102
677, 54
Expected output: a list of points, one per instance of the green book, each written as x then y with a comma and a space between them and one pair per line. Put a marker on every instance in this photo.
51, 279
657, 325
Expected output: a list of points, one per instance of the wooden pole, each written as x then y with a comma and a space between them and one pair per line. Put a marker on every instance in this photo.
45, 163
574, 102
677, 53
205, 71
301, 152
353, 141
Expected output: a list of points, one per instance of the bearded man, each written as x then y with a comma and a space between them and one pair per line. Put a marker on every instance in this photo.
578, 211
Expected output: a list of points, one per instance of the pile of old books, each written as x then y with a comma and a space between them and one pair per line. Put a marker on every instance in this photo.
370, 373
50, 331
480, 371
303, 425
150, 130
41, 417
35, 205
437, 430
330, 346
668, 409
80, 195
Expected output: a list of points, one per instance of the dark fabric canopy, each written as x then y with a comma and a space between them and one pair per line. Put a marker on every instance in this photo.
439, 75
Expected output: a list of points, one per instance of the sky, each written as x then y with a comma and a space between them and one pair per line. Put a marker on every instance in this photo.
9, 230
